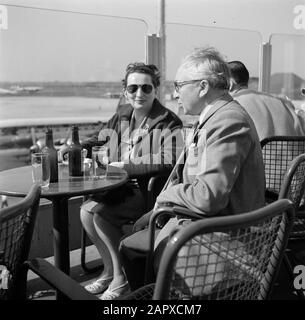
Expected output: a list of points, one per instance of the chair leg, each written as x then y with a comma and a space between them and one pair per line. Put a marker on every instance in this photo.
289, 268
83, 254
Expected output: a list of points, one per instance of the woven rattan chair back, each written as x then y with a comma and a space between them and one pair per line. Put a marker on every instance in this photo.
16, 230
278, 152
292, 188
234, 257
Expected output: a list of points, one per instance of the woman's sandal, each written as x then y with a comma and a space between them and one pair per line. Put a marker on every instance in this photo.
98, 286
114, 293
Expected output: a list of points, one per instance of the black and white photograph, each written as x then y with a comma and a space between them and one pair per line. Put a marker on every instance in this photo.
152, 152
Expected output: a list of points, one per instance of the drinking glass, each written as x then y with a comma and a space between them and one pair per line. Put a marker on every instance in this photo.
100, 160
41, 169
84, 155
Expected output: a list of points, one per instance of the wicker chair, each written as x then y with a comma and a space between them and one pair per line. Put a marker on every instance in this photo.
16, 230
278, 152
293, 188
233, 257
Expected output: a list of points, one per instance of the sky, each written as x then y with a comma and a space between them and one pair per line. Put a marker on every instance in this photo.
79, 43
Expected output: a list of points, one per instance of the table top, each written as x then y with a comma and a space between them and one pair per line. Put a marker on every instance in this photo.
17, 182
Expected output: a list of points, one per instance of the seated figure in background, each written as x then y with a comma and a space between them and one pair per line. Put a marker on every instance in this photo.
144, 139
223, 171
271, 115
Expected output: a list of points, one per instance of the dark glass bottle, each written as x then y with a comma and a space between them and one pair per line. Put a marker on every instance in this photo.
53, 160
75, 154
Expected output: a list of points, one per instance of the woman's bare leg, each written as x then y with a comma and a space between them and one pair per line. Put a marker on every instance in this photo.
86, 217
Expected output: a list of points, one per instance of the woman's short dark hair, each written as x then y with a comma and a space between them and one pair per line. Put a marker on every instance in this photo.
140, 67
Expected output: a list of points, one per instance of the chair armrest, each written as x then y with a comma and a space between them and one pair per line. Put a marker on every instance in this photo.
151, 237
172, 210
155, 179
175, 210
154, 187
184, 212
59, 280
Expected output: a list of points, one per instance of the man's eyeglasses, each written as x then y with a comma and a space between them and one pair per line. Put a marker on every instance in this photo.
146, 88
179, 84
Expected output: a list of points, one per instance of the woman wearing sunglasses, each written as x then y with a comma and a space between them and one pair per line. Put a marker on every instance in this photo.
146, 139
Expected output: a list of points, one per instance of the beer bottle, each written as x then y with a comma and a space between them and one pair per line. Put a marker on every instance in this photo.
53, 160
75, 154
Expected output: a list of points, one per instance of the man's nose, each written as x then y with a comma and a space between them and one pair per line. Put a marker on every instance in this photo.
175, 94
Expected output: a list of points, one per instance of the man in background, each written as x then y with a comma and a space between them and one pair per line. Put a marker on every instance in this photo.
271, 116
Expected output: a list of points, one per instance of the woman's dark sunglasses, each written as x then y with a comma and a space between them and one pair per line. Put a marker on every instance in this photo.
146, 88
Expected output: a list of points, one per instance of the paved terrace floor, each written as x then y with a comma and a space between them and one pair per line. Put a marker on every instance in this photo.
39, 290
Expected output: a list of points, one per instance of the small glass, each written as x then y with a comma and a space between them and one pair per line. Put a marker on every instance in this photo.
100, 159
84, 155
41, 169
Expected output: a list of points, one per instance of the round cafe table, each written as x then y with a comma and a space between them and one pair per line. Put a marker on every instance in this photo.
17, 182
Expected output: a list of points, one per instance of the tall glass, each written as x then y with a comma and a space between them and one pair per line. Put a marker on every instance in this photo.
41, 169
100, 159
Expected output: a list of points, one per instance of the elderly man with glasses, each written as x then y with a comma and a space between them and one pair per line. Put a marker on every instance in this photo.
223, 171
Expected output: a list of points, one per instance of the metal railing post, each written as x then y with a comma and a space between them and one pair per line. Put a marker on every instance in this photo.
153, 56
265, 67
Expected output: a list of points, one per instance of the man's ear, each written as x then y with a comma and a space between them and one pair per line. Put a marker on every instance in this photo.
205, 87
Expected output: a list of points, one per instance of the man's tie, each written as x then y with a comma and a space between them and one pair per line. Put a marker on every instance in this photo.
178, 174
